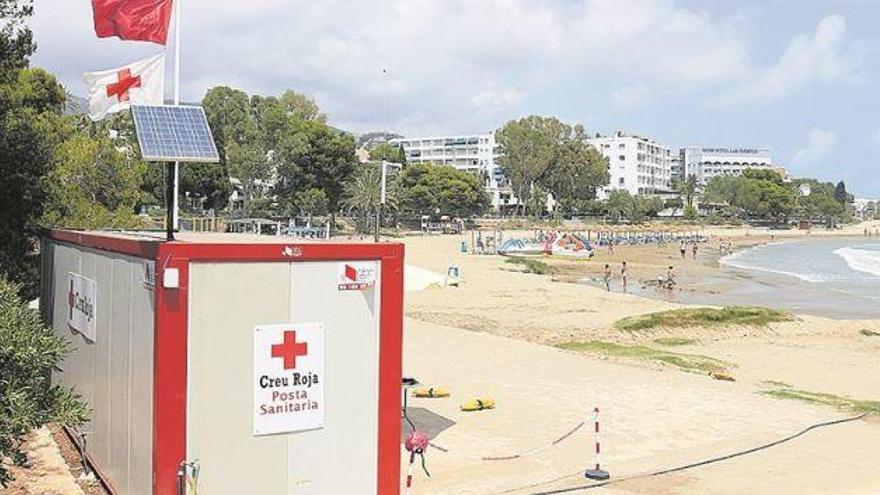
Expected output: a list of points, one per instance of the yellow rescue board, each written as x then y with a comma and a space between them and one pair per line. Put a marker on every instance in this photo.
478, 405
431, 392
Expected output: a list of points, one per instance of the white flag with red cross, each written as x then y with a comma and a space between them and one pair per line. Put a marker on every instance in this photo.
141, 83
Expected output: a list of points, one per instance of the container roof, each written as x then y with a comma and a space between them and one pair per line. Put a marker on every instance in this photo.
217, 237
227, 246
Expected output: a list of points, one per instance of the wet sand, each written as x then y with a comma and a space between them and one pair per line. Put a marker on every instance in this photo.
706, 281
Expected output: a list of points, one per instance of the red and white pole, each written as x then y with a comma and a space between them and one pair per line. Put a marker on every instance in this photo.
412, 459
598, 442
598, 473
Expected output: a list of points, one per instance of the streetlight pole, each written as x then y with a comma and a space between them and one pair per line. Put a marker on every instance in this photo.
381, 205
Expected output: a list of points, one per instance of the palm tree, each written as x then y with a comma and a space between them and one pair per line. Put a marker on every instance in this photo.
363, 193
686, 188
619, 205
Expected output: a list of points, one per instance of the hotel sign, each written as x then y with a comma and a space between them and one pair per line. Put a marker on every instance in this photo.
734, 151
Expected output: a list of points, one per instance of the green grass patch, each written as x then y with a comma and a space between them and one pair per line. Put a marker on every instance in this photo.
674, 341
530, 265
776, 383
869, 333
754, 316
688, 362
836, 401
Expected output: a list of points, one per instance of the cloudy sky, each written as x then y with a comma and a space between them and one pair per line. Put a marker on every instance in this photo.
797, 76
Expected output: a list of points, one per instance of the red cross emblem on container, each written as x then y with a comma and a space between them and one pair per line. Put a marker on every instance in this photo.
124, 83
290, 349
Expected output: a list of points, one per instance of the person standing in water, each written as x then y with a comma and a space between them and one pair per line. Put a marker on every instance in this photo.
607, 277
694, 249
624, 272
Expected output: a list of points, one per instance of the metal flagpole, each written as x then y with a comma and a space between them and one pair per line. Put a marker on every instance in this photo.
175, 199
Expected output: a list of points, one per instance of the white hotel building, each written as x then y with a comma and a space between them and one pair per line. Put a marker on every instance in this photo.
636, 164
706, 163
473, 153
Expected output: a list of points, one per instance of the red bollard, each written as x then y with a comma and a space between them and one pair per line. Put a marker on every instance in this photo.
415, 443
412, 459
598, 473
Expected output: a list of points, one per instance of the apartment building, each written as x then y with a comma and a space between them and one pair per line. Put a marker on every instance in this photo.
637, 164
705, 163
475, 153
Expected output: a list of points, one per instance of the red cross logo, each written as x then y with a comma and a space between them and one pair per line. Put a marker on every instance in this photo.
290, 349
125, 82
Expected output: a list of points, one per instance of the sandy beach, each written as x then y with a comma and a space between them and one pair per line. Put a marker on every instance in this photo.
496, 336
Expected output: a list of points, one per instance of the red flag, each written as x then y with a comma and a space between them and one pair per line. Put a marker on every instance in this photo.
138, 20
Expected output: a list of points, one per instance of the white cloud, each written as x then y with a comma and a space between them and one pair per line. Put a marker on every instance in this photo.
630, 96
820, 143
824, 55
656, 40
497, 99
453, 65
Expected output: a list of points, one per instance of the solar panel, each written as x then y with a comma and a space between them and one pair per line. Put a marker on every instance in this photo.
174, 134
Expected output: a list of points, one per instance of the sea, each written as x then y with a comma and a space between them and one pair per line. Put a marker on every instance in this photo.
837, 277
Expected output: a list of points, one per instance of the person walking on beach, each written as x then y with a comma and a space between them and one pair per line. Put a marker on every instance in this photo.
624, 272
670, 278
694, 249
682, 248
607, 277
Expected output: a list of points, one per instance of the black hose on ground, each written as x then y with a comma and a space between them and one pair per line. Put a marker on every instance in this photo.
661, 472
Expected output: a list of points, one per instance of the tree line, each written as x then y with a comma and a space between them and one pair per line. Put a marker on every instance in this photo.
278, 153
543, 158
762, 195
32, 133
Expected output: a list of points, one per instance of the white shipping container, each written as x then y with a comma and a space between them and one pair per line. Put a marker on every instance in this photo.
265, 367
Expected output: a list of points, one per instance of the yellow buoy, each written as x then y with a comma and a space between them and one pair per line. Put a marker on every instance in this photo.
478, 405
431, 392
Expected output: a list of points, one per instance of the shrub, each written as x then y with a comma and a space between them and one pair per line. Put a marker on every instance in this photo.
531, 266
754, 316
688, 362
28, 352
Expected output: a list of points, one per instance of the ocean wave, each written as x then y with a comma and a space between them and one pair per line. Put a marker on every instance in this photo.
863, 260
806, 277
735, 260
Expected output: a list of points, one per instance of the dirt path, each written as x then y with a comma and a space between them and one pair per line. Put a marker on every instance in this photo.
53, 468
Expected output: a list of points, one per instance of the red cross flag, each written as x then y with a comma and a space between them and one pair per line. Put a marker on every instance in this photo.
111, 91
